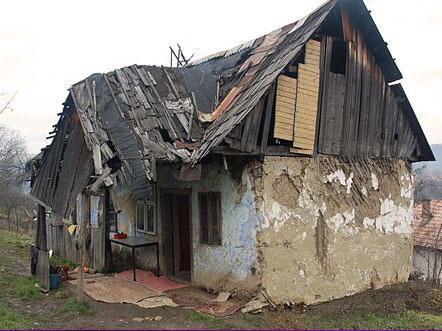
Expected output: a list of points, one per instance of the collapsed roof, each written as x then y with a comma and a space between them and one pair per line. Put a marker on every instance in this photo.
136, 116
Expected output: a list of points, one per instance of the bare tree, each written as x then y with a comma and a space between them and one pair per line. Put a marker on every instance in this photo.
6, 105
13, 157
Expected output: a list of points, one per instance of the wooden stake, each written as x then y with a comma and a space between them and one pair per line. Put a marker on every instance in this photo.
82, 221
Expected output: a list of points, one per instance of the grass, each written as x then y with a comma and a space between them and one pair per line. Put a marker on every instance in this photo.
208, 321
407, 320
13, 239
71, 307
254, 320
23, 287
12, 319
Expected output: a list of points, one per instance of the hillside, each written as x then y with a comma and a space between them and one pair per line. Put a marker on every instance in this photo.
429, 176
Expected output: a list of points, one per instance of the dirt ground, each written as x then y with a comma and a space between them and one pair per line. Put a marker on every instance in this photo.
22, 305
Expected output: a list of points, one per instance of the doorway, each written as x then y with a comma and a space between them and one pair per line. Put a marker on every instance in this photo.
177, 233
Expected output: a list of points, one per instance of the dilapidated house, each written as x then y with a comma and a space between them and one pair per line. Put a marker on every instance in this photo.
427, 239
281, 164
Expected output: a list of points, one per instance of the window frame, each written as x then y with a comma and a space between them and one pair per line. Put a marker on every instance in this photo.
208, 195
146, 202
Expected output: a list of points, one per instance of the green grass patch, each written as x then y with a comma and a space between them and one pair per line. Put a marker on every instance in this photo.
208, 321
407, 320
13, 239
24, 288
56, 260
71, 307
12, 319
254, 320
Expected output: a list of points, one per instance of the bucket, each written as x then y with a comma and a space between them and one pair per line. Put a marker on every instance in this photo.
54, 280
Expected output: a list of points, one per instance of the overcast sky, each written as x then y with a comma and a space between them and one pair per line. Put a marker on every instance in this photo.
46, 46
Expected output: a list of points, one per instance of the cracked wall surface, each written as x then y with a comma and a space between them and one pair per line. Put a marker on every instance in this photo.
231, 265
331, 228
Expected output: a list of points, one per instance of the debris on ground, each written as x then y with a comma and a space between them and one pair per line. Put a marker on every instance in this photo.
267, 297
255, 306
154, 302
222, 297
115, 290
204, 302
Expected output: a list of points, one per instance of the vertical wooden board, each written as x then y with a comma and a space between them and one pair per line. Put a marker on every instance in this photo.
378, 102
386, 122
349, 99
362, 135
357, 109
285, 105
351, 96
393, 122
399, 131
325, 91
337, 107
42, 271
381, 121
256, 116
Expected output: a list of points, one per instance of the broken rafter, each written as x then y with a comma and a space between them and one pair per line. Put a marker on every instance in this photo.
100, 179
172, 85
194, 108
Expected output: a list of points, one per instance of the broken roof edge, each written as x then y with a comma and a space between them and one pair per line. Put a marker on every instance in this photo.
249, 44
414, 122
374, 39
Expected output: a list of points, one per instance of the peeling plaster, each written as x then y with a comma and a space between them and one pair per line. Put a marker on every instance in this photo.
392, 219
340, 176
362, 244
374, 181
364, 191
344, 223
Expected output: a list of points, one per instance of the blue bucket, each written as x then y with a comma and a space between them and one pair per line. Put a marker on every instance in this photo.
54, 281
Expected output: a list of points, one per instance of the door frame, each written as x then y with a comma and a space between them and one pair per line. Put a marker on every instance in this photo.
178, 191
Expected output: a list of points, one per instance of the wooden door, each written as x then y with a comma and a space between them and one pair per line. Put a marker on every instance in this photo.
183, 235
176, 233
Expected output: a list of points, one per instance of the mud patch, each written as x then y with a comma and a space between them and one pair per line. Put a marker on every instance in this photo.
321, 236
285, 190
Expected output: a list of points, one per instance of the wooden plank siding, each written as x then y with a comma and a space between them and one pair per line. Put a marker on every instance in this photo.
359, 113
307, 99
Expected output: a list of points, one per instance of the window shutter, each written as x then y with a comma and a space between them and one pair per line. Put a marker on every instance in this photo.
285, 107
215, 234
204, 224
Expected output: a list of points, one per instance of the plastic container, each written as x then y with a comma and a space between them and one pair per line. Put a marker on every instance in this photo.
53, 281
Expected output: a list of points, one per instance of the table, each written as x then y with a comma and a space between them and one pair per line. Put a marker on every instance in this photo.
136, 242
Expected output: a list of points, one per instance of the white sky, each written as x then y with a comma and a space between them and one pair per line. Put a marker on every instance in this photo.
46, 46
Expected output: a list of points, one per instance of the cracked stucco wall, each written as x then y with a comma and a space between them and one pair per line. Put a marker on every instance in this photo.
232, 264
332, 228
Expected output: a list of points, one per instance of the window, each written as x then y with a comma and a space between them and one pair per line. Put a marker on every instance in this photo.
210, 217
339, 57
145, 216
